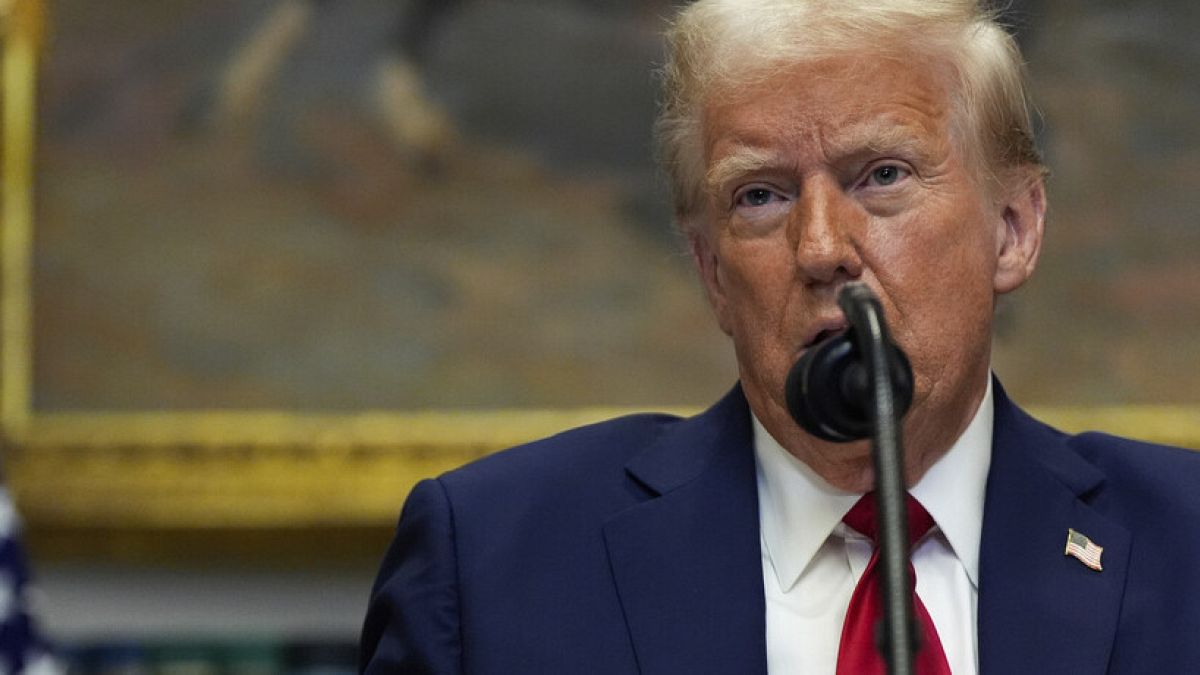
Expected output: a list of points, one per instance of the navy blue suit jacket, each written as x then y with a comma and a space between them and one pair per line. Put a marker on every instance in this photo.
632, 546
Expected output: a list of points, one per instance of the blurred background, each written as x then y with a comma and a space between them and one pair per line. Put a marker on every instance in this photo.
328, 207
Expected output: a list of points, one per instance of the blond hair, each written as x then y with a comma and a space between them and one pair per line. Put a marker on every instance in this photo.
715, 46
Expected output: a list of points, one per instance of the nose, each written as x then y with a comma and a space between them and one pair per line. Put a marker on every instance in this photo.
823, 230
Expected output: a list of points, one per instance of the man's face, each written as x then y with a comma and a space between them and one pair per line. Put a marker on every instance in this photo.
843, 170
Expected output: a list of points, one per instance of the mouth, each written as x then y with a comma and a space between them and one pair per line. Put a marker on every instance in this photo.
825, 330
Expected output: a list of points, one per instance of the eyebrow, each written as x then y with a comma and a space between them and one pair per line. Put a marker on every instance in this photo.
744, 160
876, 138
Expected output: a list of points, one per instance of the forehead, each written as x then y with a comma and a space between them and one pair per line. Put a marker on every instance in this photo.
834, 107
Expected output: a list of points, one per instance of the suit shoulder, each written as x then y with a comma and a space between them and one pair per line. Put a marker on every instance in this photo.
1155, 474
1106, 449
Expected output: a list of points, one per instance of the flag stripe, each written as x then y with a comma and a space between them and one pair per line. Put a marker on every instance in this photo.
1082, 548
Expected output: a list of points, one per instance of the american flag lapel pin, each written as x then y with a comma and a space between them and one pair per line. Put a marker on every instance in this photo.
1084, 549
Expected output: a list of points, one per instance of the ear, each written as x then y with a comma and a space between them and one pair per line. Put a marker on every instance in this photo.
708, 266
1019, 236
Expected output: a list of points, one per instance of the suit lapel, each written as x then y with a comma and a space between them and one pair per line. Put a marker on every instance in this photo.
687, 562
1041, 611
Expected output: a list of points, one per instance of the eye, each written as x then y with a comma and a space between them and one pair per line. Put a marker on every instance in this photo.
760, 206
886, 174
756, 197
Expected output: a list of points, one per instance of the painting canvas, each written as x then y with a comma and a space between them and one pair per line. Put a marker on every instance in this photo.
229, 218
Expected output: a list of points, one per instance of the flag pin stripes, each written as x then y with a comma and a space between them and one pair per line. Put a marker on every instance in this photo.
1084, 549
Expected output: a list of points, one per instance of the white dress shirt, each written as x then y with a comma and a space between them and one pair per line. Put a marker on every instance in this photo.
812, 561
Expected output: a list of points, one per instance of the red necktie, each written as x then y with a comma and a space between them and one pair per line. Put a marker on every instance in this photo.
857, 654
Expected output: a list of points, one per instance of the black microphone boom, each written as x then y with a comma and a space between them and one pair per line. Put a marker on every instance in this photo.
856, 385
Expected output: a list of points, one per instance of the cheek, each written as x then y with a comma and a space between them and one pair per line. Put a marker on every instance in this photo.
945, 247
757, 279
938, 281
755, 273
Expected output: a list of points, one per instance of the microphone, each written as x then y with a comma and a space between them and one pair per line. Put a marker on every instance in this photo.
828, 390
858, 385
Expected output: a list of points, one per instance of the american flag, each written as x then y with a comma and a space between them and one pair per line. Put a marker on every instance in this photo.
22, 648
1082, 548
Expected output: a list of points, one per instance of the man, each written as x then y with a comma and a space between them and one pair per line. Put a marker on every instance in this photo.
813, 143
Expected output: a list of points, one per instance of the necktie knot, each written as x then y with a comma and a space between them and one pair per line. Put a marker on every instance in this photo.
864, 518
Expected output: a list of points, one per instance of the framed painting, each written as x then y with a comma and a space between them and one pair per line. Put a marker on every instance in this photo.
267, 263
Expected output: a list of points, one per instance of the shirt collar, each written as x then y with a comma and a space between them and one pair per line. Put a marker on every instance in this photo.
798, 510
953, 488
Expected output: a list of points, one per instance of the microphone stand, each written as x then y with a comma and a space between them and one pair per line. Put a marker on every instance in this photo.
899, 639
852, 386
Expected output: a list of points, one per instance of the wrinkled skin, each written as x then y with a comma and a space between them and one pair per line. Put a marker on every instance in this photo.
844, 170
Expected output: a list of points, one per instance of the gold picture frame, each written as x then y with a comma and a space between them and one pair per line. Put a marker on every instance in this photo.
244, 484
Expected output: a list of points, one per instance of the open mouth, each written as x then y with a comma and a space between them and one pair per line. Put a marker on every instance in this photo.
830, 330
